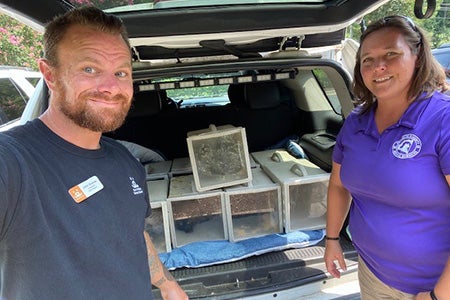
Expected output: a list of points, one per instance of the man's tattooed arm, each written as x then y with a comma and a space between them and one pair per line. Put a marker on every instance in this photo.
158, 271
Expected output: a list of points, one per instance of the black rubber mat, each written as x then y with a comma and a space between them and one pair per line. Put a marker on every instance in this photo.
259, 274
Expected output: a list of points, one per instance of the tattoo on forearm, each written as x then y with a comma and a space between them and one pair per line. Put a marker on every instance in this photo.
168, 275
159, 282
153, 265
157, 269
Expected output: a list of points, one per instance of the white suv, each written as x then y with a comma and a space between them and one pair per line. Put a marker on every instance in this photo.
244, 64
16, 87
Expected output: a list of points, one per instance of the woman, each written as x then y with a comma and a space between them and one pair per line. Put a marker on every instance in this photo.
391, 168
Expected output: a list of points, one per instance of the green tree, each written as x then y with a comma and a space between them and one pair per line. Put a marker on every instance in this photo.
19, 44
437, 27
103, 4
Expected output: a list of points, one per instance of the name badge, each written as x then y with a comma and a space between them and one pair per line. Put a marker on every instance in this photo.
85, 189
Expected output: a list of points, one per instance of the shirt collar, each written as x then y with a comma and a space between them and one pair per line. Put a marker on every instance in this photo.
409, 118
414, 111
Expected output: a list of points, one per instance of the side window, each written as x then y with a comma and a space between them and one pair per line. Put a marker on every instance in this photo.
12, 102
328, 89
33, 80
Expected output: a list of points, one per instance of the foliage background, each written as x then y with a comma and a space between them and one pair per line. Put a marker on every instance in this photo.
21, 46
437, 26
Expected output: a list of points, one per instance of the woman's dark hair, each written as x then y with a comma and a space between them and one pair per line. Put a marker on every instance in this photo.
429, 75
86, 16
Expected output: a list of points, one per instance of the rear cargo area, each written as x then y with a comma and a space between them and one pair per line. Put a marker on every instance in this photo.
264, 274
247, 163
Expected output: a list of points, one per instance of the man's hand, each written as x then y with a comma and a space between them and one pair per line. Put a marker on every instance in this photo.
171, 290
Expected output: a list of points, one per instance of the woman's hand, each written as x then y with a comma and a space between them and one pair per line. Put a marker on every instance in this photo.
333, 252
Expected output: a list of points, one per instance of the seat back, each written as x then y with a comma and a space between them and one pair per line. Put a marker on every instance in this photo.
147, 103
265, 110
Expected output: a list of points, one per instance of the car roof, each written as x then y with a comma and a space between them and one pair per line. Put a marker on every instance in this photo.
443, 56
7, 71
190, 28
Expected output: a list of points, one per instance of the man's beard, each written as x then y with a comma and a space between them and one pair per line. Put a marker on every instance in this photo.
98, 120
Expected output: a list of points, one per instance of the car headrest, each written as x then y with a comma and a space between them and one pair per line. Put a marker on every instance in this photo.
236, 94
146, 103
260, 95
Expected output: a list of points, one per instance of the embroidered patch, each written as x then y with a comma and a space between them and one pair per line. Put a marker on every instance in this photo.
136, 188
407, 147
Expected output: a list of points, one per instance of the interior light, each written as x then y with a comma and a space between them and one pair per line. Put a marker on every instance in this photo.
279, 76
146, 87
245, 79
206, 82
226, 80
166, 85
264, 77
187, 84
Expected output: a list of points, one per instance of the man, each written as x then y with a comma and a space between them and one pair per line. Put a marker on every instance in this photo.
73, 203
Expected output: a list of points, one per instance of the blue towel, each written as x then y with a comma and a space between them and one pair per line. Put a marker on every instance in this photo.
200, 254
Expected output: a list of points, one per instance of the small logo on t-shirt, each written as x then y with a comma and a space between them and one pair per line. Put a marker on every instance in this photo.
407, 147
136, 188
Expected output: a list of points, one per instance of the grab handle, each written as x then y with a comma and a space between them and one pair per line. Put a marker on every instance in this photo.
299, 170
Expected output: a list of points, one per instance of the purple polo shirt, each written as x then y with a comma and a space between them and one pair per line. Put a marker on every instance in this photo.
400, 213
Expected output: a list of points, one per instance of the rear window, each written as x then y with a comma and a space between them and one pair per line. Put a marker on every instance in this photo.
12, 101
200, 96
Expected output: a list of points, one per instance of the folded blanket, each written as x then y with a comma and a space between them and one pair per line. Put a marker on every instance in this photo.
206, 253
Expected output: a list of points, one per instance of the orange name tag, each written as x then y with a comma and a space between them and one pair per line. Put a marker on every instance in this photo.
85, 189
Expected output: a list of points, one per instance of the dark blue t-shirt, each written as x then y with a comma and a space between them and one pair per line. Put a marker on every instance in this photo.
52, 247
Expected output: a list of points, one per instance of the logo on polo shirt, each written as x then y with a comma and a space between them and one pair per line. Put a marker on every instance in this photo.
136, 188
407, 147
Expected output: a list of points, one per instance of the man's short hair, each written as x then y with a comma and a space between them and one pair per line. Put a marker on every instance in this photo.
86, 16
